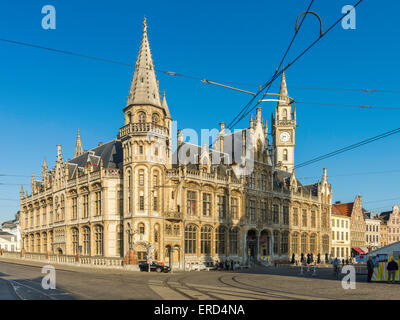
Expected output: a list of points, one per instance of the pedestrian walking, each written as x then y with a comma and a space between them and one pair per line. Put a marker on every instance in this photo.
342, 263
370, 268
392, 268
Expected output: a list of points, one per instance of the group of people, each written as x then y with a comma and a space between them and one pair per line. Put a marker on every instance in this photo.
391, 268
225, 265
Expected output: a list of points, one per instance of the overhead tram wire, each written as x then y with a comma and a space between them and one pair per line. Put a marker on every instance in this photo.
351, 174
347, 105
268, 84
277, 74
350, 147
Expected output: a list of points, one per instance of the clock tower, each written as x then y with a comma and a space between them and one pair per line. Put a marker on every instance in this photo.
283, 130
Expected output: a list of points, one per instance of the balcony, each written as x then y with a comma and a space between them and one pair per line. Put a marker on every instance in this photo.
142, 127
286, 122
170, 215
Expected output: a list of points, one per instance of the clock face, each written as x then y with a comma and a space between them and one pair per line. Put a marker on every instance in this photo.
285, 136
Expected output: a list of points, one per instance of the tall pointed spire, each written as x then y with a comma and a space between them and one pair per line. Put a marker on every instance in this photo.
44, 166
165, 105
78, 145
144, 87
283, 90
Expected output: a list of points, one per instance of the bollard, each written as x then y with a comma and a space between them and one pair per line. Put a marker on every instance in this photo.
314, 271
301, 269
308, 268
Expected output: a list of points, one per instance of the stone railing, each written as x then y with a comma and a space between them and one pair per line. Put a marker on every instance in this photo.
132, 128
106, 262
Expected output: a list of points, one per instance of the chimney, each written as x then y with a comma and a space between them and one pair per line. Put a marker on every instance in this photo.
337, 202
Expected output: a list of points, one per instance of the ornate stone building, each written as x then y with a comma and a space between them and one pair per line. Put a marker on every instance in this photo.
238, 200
392, 221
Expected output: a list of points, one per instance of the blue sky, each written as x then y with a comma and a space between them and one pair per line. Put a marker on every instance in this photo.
45, 97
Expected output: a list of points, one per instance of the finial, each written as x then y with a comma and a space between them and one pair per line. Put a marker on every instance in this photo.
144, 24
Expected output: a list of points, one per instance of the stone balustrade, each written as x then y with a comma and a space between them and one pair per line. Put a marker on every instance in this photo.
106, 262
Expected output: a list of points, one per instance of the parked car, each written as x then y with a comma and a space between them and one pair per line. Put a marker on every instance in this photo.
154, 266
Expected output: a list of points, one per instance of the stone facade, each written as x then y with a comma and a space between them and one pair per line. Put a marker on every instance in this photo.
392, 220
135, 196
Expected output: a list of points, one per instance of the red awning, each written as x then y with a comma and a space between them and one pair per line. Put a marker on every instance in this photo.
359, 250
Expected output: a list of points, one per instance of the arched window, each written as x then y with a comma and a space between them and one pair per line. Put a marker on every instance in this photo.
155, 118
313, 243
284, 242
129, 118
233, 241
129, 192
86, 241
38, 247
304, 243
295, 243
190, 239
142, 117
220, 240
205, 244
98, 233
75, 240
285, 154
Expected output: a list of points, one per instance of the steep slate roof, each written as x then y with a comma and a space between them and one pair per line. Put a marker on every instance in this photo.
110, 153
343, 208
385, 215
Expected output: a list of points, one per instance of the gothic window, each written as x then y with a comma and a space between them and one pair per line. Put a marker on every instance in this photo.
98, 232
233, 241
75, 240
264, 211
234, 208
220, 240
205, 244
252, 210
275, 212
190, 239
142, 117
313, 219
221, 206
97, 202
304, 243
313, 243
285, 215
74, 207
304, 218
129, 193
284, 242
191, 203
85, 205
86, 241
295, 242
155, 118
206, 204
